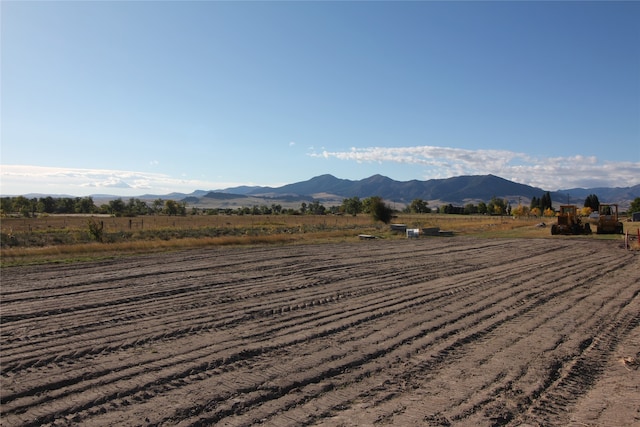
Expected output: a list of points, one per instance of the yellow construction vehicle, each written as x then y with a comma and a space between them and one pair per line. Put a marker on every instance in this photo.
608, 222
569, 222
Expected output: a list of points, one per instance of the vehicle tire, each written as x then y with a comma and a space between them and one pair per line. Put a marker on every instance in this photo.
554, 229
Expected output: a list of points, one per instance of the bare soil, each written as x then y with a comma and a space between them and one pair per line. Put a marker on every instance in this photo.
432, 332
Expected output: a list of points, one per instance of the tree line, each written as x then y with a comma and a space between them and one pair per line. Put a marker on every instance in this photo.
539, 206
29, 207
85, 205
495, 206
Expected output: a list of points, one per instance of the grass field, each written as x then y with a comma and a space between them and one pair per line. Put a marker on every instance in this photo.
64, 238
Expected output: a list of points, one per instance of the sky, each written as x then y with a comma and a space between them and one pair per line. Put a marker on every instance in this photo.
153, 97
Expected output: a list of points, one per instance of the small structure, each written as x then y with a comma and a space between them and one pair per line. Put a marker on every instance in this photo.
431, 231
366, 236
399, 228
635, 216
436, 232
413, 233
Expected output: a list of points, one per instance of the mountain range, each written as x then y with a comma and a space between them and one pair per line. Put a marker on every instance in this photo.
329, 190
456, 190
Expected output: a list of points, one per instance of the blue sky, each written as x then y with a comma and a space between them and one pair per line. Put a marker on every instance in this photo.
130, 98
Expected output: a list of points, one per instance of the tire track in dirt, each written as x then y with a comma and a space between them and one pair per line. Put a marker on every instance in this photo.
356, 329
448, 354
569, 381
172, 295
438, 417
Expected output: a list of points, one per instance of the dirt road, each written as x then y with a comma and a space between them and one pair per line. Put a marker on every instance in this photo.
432, 332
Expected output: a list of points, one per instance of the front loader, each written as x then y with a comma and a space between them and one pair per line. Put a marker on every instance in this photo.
608, 222
569, 223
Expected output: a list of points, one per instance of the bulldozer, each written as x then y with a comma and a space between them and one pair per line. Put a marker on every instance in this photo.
608, 222
569, 222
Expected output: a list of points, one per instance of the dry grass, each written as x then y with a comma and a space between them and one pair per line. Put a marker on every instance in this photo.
64, 253
481, 225
163, 222
156, 234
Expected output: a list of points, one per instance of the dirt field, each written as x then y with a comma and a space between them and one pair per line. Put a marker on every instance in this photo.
432, 332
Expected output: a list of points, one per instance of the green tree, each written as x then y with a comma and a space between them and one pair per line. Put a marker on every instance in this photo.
352, 206
315, 208
419, 206
535, 203
380, 211
23, 205
157, 205
66, 205
85, 205
482, 208
635, 205
497, 206
6, 205
171, 207
470, 208
265, 210
117, 207
182, 208
136, 207
545, 201
592, 202
366, 205
47, 205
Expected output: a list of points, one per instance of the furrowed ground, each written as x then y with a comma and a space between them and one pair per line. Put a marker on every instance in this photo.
430, 332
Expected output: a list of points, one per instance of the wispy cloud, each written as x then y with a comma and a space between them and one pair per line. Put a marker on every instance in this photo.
550, 173
23, 179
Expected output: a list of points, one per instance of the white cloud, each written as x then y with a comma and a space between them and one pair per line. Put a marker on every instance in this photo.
24, 179
551, 173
